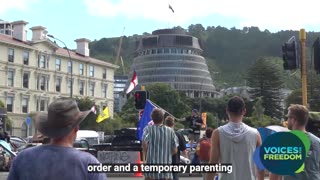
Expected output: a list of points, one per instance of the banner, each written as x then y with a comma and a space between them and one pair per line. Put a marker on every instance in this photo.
145, 118
204, 119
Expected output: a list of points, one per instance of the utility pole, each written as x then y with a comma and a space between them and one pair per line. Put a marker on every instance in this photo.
303, 66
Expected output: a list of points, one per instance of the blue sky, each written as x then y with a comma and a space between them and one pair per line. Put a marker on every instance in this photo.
95, 19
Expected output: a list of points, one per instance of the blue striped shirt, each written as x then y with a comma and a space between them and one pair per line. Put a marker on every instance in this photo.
161, 141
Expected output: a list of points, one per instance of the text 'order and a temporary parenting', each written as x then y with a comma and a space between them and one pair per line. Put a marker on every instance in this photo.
147, 168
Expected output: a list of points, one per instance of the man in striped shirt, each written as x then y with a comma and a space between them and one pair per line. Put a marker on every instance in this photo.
159, 144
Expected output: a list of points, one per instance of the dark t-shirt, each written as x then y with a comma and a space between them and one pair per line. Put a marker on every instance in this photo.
192, 120
182, 147
48, 162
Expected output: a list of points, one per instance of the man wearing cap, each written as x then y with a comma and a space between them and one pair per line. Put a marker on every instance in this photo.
195, 124
58, 159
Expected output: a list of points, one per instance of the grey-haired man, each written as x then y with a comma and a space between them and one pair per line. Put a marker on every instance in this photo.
58, 159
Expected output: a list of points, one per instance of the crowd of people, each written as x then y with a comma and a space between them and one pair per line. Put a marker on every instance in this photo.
233, 143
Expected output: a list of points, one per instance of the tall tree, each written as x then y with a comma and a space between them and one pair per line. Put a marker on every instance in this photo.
265, 80
167, 98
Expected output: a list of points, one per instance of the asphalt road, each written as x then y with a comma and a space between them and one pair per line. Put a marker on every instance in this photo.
4, 175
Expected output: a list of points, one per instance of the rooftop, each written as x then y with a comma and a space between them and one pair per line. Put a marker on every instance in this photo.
58, 51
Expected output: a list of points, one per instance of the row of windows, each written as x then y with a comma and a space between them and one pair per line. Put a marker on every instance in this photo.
44, 63
190, 86
168, 51
166, 63
41, 105
175, 79
173, 71
170, 57
43, 84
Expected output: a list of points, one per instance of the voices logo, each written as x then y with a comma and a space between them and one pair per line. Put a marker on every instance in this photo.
283, 153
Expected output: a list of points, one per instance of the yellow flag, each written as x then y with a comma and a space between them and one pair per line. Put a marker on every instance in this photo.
103, 115
204, 119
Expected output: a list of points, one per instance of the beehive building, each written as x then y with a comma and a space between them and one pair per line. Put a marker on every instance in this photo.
172, 56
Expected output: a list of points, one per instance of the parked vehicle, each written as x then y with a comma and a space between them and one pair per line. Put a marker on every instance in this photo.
82, 144
91, 136
17, 142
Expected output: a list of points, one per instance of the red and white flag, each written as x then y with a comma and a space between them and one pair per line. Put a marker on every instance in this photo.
133, 83
93, 109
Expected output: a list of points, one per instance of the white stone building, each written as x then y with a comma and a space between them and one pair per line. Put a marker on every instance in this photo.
34, 73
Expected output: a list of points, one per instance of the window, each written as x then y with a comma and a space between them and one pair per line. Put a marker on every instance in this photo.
58, 84
81, 88
25, 80
42, 105
58, 64
91, 89
184, 51
42, 83
69, 85
91, 71
42, 61
69, 67
154, 51
173, 51
81, 67
25, 102
10, 55
166, 50
11, 78
160, 51
10, 104
104, 90
26, 57
104, 74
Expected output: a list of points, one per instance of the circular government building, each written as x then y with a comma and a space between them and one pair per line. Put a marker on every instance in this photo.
173, 57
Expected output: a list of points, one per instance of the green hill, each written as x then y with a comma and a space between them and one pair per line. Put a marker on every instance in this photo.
229, 52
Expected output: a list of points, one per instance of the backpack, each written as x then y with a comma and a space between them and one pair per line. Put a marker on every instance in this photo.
204, 149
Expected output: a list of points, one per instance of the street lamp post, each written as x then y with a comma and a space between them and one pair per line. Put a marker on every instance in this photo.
71, 73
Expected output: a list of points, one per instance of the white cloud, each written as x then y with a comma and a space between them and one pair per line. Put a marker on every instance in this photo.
8, 5
266, 14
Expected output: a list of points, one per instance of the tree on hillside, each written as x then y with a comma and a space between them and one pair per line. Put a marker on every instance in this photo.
264, 79
167, 98
314, 91
129, 112
258, 110
313, 94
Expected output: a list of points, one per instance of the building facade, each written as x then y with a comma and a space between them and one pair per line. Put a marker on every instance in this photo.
120, 97
35, 72
5, 27
173, 57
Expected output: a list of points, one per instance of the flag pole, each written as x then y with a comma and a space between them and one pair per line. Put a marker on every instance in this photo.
161, 108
